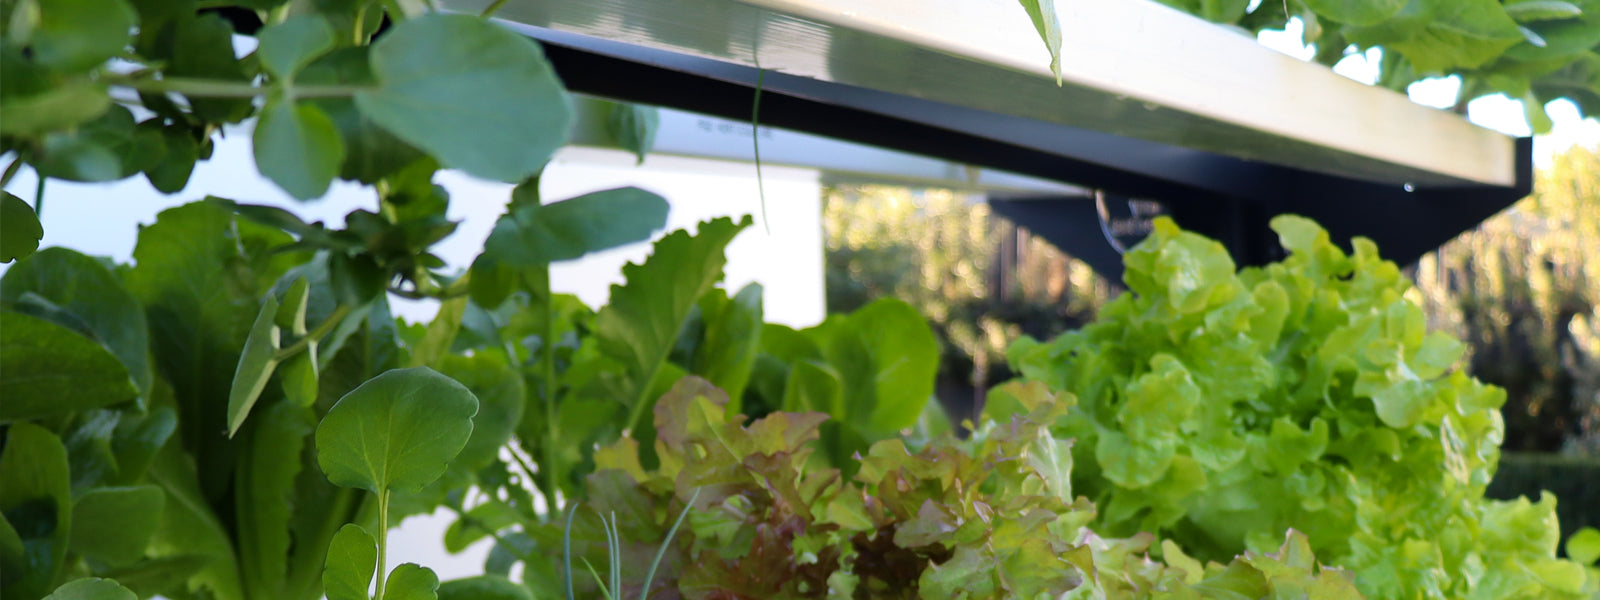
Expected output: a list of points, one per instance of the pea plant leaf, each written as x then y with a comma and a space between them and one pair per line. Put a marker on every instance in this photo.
92, 588
73, 36
352, 559
91, 152
411, 581
169, 173
93, 295
53, 108
35, 497
371, 152
256, 364
207, 53
477, 96
634, 127
20, 231
298, 147
398, 431
286, 47
52, 370
534, 235
114, 524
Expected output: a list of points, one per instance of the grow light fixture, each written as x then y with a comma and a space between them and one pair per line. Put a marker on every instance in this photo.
1154, 104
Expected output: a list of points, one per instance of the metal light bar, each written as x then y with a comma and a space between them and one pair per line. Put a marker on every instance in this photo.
1155, 105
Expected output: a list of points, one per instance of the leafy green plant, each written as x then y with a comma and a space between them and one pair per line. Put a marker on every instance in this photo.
396, 432
989, 517
1219, 407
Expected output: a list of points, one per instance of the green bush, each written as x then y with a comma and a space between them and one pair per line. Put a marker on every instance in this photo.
1220, 407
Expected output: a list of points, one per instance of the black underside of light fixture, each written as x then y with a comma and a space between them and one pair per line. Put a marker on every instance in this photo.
1226, 198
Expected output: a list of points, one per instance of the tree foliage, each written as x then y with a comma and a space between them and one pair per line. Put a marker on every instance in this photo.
1523, 290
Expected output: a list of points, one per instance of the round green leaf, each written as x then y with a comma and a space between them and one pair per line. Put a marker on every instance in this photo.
92, 152
477, 96
411, 581
170, 172
371, 152
352, 559
52, 370
78, 35
298, 148
92, 588
398, 431
534, 235
56, 108
20, 230
287, 46
634, 127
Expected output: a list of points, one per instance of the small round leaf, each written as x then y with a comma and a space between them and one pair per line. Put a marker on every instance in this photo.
20, 231
477, 96
398, 431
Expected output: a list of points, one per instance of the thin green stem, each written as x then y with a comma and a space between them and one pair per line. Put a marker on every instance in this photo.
315, 335
492, 9
547, 373
214, 88
566, 550
755, 140
383, 542
38, 198
360, 26
445, 294
11, 171
396, 12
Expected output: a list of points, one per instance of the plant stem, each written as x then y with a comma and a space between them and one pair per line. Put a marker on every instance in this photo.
322, 331
755, 141
38, 199
358, 30
547, 363
492, 9
383, 542
445, 294
11, 171
214, 88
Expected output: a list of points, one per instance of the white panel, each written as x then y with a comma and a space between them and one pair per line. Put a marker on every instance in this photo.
787, 260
